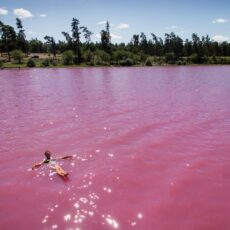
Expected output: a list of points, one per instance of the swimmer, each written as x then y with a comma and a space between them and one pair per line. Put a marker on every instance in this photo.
52, 163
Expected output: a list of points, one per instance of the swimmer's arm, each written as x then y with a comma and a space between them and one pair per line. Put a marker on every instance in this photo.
37, 165
65, 157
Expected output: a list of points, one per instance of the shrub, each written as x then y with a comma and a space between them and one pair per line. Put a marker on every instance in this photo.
187, 60
88, 55
196, 59
160, 61
67, 57
136, 59
214, 59
103, 56
120, 55
126, 62
54, 62
96, 60
143, 56
170, 58
179, 62
30, 63
1, 63
17, 56
46, 62
148, 62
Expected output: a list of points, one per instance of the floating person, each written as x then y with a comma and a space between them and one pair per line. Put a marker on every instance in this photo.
53, 164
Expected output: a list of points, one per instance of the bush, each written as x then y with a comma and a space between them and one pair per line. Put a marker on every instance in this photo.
120, 55
54, 62
30, 63
136, 59
67, 57
96, 60
179, 62
160, 61
1, 63
103, 56
170, 58
46, 62
99, 57
148, 62
17, 56
214, 60
196, 59
143, 56
88, 55
126, 62
187, 60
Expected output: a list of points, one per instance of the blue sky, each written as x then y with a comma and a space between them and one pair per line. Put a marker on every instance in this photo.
127, 17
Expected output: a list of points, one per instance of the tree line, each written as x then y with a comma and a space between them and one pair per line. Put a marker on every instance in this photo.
78, 48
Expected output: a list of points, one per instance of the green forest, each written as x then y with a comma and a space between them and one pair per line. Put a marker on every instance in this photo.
78, 49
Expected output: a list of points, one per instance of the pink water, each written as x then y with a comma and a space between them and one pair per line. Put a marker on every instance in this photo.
151, 147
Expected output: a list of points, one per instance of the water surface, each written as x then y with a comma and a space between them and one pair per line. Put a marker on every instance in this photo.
151, 147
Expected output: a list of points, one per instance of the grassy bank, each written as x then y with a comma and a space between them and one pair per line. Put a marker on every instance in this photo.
46, 60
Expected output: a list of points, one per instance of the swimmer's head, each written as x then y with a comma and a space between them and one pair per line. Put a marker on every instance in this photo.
47, 154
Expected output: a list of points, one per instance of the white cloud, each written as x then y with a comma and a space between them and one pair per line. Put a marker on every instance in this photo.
220, 21
97, 36
22, 13
3, 11
173, 27
102, 22
113, 36
220, 38
31, 32
42, 15
122, 26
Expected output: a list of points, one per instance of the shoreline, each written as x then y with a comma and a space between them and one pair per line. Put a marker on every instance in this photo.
15, 66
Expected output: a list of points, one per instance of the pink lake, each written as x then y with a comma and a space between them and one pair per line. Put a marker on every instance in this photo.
151, 147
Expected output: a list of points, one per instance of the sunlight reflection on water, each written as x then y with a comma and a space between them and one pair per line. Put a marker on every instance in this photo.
111, 221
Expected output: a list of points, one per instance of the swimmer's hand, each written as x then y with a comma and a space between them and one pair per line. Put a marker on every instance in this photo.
36, 165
